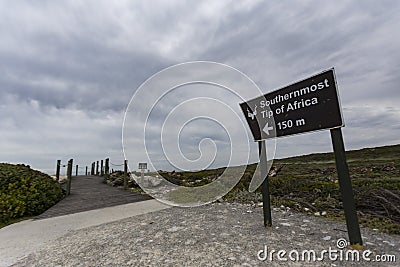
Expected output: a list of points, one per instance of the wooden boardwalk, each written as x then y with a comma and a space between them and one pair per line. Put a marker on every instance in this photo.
89, 193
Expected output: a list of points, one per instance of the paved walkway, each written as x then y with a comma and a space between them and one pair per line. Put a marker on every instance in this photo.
21, 239
89, 193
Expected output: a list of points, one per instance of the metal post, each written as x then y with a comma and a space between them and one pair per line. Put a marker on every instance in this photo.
101, 168
97, 168
126, 174
76, 171
58, 170
346, 189
69, 176
265, 185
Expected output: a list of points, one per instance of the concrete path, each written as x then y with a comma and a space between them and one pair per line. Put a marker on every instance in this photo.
20, 239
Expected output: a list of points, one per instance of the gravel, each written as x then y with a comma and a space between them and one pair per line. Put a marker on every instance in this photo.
219, 234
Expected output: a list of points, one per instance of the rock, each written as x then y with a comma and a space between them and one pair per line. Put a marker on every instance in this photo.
387, 242
323, 213
317, 213
285, 224
306, 209
190, 242
327, 238
118, 182
388, 167
175, 229
154, 181
149, 181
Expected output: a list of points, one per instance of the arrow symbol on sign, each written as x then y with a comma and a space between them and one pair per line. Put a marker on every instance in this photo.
267, 128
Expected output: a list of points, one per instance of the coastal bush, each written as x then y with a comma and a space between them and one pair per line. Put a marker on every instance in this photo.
25, 192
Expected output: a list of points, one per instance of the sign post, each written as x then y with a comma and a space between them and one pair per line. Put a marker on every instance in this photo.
142, 167
346, 189
265, 185
308, 105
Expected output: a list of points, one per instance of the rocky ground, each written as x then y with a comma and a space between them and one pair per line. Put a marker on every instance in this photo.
219, 234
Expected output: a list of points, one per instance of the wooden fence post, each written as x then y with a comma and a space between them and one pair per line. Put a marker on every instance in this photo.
69, 178
86, 171
97, 168
106, 170
101, 168
126, 174
58, 170
76, 171
92, 171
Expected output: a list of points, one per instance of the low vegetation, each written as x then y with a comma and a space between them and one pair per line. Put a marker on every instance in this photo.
25, 192
309, 184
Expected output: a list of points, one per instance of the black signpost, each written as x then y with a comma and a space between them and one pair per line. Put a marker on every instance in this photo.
308, 105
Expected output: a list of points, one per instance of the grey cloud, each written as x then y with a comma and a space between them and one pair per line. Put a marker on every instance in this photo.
69, 69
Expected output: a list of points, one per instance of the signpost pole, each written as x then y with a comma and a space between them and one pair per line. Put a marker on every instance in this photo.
346, 190
265, 185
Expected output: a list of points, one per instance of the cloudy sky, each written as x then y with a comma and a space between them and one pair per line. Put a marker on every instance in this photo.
70, 68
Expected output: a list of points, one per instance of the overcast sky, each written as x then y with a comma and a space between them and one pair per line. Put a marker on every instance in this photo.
69, 68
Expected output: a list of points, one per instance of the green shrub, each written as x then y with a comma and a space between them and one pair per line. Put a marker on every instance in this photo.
25, 192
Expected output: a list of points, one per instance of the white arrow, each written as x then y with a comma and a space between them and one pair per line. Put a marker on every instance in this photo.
267, 128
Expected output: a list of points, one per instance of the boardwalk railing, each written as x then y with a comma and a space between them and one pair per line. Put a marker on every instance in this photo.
104, 171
